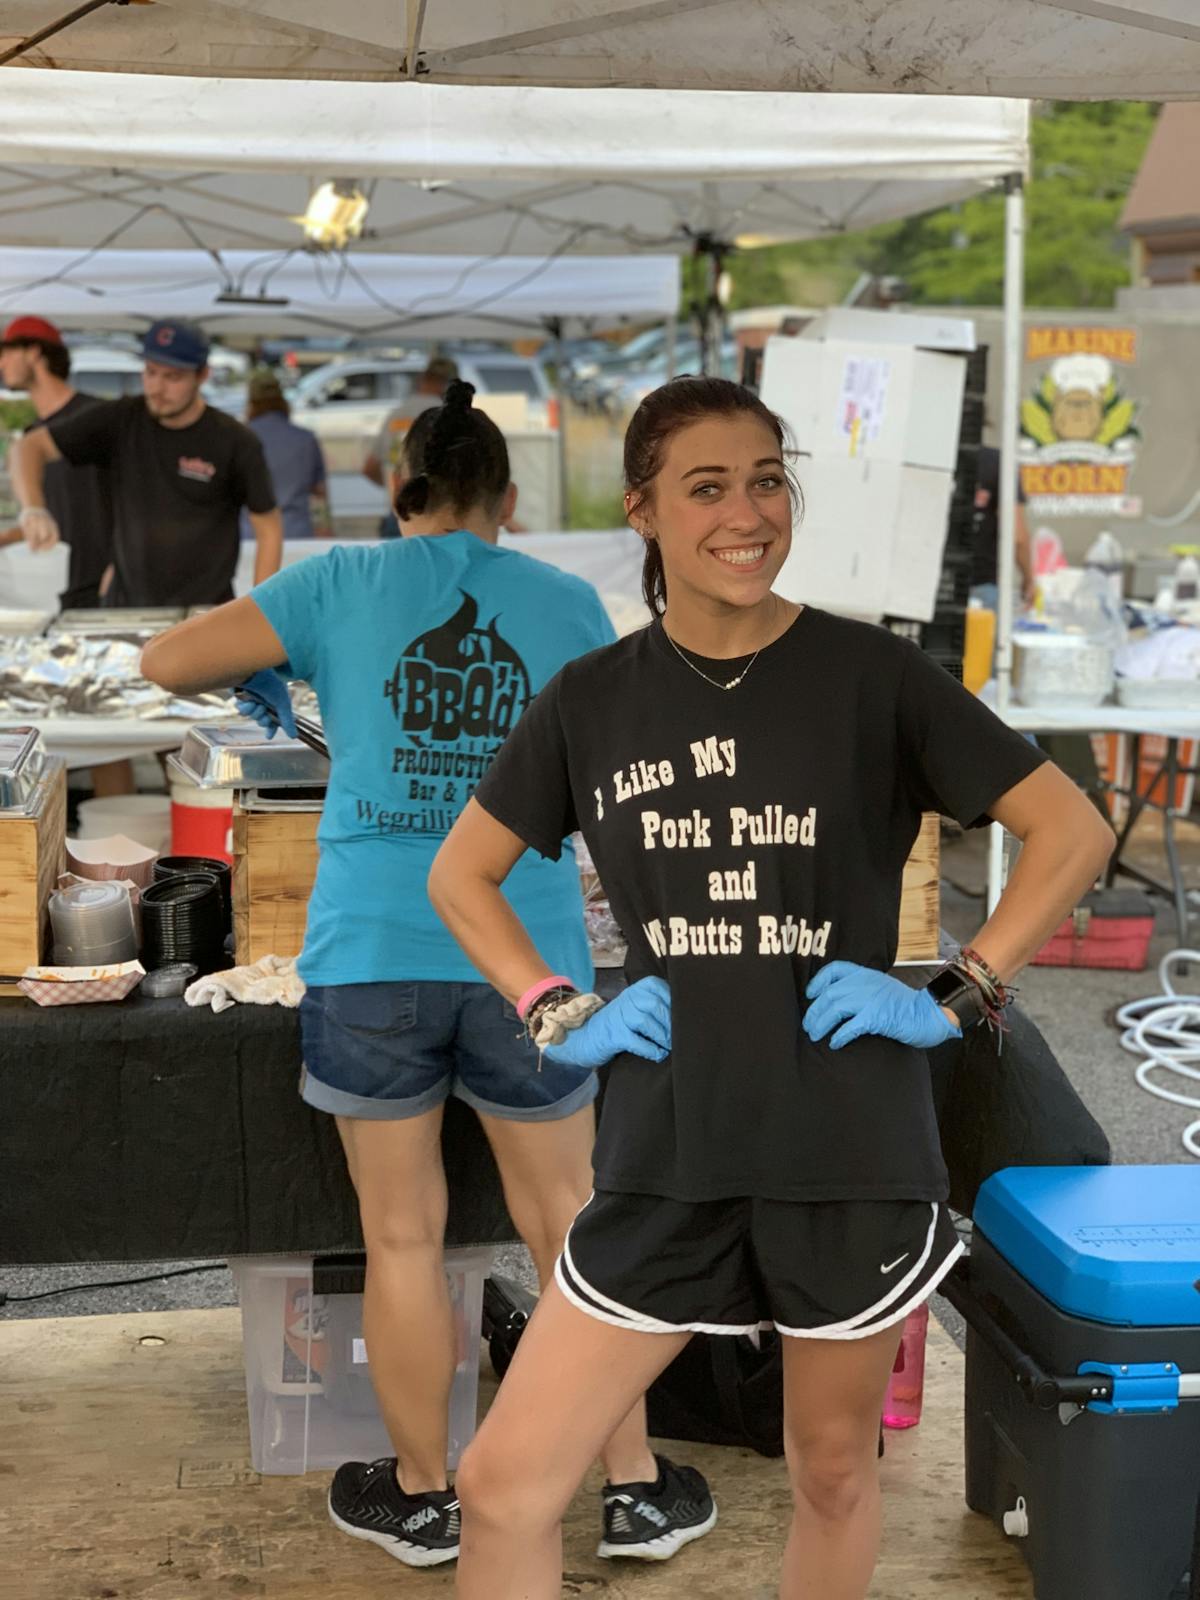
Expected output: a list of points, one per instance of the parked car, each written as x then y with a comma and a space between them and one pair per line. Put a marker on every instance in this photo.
109, 371
345, 403
591, 380
624, 391
367, 383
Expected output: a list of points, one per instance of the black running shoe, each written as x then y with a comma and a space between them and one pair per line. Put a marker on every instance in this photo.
420, 1529
651, 1521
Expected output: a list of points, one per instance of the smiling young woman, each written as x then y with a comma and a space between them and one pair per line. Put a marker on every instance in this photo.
749, 776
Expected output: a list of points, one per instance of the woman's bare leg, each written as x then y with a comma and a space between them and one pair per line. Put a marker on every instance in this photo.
546, 1170
572, 1381
396, 1169
834, 1391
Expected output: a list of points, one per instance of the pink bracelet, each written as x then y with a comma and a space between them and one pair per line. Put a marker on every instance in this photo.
538, 990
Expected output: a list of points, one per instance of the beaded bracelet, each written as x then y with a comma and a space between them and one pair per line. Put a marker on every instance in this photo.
994, 992
546, 1001
537, 990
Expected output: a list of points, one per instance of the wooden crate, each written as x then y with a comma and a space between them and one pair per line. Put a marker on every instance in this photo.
920, 897
32, 854
274, 865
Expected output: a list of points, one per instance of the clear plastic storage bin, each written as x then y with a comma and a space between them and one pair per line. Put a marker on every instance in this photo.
309, 1396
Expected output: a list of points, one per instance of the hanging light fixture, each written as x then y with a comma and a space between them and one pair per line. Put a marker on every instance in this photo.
335, 214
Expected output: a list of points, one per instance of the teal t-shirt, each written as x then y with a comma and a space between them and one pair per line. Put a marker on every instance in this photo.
423, 653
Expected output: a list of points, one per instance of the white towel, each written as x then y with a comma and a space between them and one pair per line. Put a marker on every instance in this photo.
273, 981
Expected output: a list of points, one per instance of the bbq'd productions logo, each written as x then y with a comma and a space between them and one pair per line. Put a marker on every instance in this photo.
455, 692
1079, 434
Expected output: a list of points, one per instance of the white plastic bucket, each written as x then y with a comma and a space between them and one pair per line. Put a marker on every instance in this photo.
144, 817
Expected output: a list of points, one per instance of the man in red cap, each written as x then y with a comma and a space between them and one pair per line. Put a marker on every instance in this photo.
35, 361
181, 472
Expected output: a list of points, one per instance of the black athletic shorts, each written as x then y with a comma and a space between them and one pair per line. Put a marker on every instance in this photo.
811, 1269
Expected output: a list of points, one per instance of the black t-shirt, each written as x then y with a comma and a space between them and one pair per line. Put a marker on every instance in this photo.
744, 838
177, 493
985, 529
80, 501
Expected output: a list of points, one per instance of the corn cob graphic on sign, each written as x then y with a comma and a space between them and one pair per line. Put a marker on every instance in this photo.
1079, 432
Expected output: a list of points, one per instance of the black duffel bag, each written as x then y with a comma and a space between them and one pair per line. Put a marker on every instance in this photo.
1004, 1101
722, 1389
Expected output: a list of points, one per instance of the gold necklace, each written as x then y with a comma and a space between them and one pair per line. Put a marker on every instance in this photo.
733, 682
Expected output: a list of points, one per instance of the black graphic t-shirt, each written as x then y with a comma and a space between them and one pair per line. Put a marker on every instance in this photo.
80, 501
177, 493
745, 837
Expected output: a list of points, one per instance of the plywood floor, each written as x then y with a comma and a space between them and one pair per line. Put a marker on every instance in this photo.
124, 1476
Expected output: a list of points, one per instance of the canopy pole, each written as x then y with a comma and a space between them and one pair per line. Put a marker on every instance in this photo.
1014, 294
555, 325
670, 348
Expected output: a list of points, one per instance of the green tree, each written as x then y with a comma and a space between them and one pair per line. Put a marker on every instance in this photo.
1085, 157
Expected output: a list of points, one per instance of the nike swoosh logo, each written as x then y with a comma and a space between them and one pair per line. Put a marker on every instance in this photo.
893, 1265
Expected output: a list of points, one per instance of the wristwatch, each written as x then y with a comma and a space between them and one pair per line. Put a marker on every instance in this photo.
959, 995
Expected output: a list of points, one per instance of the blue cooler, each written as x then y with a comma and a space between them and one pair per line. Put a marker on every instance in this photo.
1082, 1298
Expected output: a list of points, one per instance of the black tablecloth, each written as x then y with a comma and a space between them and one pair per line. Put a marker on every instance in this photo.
149, 1131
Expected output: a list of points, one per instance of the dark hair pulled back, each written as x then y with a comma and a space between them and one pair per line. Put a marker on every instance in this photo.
456, 458
660, 416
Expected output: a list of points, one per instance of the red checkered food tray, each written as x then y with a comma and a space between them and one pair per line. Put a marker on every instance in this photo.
80, 986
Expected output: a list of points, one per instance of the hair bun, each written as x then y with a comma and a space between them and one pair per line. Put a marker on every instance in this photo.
413, 497
458, 395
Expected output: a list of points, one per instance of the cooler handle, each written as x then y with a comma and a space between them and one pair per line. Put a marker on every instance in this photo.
1040, 1388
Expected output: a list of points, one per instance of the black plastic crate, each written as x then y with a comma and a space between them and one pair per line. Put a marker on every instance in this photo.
977, 365
954, 586
960, 524
971, 428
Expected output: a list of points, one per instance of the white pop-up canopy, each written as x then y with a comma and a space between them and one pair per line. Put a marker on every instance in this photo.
1051, 49
152, 162
425, 297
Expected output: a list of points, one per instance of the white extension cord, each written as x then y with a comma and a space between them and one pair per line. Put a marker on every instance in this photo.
1165, 1029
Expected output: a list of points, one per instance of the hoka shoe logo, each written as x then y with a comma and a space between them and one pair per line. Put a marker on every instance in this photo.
420, 1519
651, 1513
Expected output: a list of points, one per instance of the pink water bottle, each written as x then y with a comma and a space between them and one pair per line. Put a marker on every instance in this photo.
906, 1386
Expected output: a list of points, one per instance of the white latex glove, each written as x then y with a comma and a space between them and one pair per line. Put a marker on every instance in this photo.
39, 527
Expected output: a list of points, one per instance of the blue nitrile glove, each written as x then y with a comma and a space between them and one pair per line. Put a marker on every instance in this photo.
637, 1022
865, 1001
265, 699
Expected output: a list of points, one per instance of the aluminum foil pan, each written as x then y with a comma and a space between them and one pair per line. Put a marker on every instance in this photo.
238, 756
74, 676
22, 762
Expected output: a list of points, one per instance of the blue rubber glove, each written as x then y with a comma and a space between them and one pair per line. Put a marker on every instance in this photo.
265, 699
637, 1022
865, 1001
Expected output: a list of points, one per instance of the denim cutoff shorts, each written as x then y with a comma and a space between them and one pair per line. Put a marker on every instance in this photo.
394, 1050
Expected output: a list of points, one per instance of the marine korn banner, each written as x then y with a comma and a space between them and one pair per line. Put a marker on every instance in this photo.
1079, 434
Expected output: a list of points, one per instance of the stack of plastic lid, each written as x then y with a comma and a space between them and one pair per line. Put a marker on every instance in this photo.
93, 925
199, 866
183, 921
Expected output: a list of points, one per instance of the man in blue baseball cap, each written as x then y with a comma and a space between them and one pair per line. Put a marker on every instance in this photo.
181, 474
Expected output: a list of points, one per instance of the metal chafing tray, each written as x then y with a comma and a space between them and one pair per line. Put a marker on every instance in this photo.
22, 761
238, 756
103, 621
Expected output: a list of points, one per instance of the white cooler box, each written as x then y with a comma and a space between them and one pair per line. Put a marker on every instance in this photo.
308, 1385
